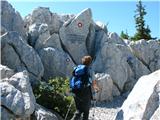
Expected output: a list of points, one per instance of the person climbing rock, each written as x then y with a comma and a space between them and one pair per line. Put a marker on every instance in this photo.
81, 83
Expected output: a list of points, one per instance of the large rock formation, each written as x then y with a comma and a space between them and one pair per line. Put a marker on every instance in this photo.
42, 113
105, 84
54, 44
148, 52
56, 63
143, 102
17, 95
74, 33
18, 55
11, 20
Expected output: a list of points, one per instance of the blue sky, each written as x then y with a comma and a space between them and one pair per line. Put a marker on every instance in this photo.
117, 13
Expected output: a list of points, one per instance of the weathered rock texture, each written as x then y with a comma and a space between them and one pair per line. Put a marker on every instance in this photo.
143, 102
18, 55
11, 20
48, 45
17, 95
105, 84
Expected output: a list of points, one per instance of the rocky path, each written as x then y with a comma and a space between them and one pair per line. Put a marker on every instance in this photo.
106, 110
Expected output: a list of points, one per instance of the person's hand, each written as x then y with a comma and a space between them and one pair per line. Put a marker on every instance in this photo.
96, 88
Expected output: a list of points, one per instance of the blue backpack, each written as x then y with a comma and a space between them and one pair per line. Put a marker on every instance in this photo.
80, 78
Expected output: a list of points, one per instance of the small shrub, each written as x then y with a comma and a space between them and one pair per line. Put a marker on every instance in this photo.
51, 95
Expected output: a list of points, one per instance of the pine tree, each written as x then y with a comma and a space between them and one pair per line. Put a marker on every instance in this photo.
124, 35
142, 32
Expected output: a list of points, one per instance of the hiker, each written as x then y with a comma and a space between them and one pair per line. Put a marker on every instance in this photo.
83, 96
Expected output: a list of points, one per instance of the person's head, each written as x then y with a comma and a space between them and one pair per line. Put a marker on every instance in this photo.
87, 60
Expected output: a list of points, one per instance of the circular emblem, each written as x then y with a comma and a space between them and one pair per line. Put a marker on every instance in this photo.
67, 60
79, 24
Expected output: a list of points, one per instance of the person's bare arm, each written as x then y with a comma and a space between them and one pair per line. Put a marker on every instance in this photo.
95, 86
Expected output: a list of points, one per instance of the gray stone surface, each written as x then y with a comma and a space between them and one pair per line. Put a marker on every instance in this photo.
53, 41
6, 72
5, 114
18, 55
117, 58
42, 113
17, 95
101, 26
33, 34
74, 34
156, 115
43, 35
105, 84
148, 52
11, 19
44, 15
56, 63
146, 92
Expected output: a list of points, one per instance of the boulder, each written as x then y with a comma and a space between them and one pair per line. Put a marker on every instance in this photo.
73, 35
44, 15
5, 114
117, 58
100, 39
101, 26
33, 34
42, 113
146, 91
105, 84
6, 72
111, 60
156, 115
148, 52
11, 19
18, 55
43, 35
53, 41
56, 63
114, 38
90, 40
17, 95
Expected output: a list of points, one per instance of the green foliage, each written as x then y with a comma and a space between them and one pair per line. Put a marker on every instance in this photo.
124, 35
51, 95
142, 32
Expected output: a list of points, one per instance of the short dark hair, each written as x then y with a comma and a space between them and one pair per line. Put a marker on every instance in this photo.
87, 60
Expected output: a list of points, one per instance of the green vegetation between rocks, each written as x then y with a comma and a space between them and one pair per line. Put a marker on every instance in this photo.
51, 95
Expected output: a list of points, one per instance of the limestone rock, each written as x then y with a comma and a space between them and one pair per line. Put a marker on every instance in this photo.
42, 113
117, 58
56, 63
146, 91
18, 55
33, 34
74, 34
114, 38
115, 91
11, 19
44, 15
101, 26
43, 35
111, 60
5, 114
100, 39
53, 41
90, 41
6, 72
156, 115
148, 52
105, 83
17, 95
